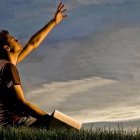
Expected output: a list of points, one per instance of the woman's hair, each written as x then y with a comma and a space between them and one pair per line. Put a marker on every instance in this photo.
3, 41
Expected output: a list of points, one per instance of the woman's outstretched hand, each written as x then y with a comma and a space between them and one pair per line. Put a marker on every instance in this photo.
60, 13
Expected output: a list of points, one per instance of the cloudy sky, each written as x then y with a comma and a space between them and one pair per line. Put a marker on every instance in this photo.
89, 65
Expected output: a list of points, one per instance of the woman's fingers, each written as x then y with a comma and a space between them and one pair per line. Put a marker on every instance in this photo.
64, 11
64, 16
61, 6
58, 8
61, 10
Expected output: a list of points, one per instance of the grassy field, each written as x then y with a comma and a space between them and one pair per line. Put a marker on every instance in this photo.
63, 134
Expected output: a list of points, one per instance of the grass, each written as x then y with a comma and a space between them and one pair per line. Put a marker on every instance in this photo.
25, 133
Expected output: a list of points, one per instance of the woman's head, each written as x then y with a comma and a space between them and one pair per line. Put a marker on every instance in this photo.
8, 44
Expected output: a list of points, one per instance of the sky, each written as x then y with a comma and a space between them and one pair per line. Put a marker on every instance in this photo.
89, 65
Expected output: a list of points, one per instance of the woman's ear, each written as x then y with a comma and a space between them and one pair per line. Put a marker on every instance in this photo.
6, 47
